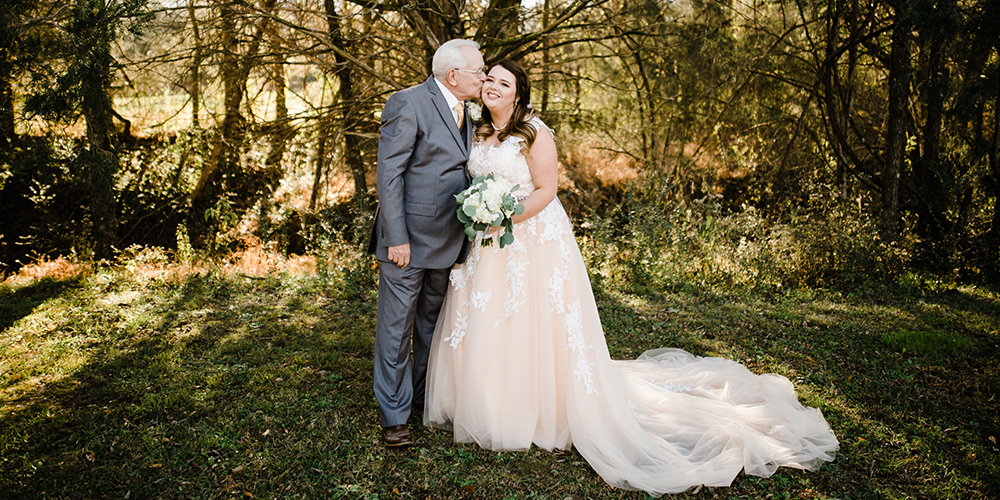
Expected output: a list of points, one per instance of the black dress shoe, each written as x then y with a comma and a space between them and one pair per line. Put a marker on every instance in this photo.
396, 435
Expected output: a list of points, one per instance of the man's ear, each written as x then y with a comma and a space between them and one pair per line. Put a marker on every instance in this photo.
451, 77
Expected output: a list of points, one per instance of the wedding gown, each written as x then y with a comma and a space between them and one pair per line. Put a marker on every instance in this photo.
519, 357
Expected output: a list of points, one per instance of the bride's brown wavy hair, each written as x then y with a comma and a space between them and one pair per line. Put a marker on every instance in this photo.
518, 125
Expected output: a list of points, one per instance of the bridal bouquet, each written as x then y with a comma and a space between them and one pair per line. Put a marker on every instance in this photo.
489, 202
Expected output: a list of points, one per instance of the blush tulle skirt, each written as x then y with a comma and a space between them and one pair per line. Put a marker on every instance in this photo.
519, 358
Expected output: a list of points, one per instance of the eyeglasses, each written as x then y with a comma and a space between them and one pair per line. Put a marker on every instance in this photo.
480, 71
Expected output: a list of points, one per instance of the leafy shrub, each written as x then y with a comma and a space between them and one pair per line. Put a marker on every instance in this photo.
45, 202
153, 182
699, 244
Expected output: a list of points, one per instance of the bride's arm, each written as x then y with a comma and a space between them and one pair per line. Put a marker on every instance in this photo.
544, 166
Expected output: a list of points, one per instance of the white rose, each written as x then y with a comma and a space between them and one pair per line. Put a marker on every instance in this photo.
493, 200
482, 214
474, 110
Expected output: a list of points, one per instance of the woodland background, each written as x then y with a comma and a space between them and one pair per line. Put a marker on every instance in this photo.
808, 187
847, 140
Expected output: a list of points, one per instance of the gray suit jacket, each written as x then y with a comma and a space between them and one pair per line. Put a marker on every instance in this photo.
422, 160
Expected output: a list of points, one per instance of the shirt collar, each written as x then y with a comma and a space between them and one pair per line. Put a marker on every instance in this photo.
448, 96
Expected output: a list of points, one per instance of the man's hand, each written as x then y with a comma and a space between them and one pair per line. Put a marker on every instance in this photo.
400, 254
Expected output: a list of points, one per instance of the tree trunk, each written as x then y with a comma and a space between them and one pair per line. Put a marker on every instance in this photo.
9, 35
993, 236
644, 96
101, 163
280, 131
348, 106
546, 61
319, 163
225, 157
194, 89
7, 132
838, 98
835, 121
895, 143
436, 21
929, 171
498, 24
839, 92
99, 159
224, 175
847, 97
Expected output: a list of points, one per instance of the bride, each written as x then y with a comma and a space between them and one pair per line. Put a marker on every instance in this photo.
519, 356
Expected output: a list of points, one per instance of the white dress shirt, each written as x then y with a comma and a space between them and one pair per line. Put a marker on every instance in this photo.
448, 96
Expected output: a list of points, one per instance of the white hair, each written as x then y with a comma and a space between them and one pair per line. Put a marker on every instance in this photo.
450, 56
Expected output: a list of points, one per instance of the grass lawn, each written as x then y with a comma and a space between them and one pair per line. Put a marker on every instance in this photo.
171, 382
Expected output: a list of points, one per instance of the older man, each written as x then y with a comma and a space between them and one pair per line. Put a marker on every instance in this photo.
422, 154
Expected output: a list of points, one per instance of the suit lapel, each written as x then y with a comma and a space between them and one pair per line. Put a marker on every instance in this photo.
468, 130
446, 114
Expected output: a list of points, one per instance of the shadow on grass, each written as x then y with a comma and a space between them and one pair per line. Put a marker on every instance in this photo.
222, 382
240, 388
18, 303
229, 387
909, 388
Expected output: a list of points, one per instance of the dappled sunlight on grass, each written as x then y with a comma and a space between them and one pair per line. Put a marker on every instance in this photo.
195, 381
222, 344
43, 346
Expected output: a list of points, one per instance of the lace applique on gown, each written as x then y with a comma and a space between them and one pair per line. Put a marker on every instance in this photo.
519, 357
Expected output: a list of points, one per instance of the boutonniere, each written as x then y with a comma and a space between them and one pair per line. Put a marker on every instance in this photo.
475, 111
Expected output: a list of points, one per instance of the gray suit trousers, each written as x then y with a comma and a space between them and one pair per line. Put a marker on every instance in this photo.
409, 301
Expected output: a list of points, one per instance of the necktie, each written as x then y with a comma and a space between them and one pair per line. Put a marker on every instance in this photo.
460, 112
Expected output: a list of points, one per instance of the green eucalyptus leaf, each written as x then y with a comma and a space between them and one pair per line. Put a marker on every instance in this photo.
506, 239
